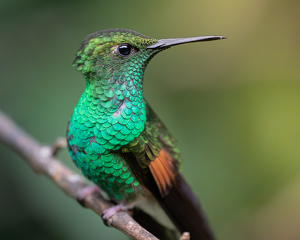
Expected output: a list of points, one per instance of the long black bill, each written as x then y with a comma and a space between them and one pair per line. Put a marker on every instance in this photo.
176, 41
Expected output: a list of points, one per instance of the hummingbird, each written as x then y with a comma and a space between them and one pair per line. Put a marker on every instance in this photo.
119, 142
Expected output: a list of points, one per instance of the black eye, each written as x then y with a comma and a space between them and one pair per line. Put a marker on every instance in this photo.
124, 50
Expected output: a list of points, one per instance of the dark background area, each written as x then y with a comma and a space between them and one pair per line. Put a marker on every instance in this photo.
233, 105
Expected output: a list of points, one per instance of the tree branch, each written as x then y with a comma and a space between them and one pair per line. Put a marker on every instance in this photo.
42, 159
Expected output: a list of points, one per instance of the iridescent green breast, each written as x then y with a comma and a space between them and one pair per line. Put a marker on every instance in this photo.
112, 123
102, 123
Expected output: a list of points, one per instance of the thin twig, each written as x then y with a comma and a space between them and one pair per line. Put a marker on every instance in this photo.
185, 236
41, 159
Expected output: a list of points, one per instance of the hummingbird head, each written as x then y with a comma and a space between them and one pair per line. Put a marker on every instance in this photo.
107, 51
121, 53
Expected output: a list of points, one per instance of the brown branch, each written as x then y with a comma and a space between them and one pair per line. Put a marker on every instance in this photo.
41, 159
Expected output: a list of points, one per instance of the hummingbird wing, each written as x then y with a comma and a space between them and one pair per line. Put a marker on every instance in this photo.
154, 157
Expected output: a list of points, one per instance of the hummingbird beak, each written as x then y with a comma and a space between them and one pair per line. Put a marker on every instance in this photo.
162, 43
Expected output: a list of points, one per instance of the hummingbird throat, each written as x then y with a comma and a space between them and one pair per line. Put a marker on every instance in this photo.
118, 109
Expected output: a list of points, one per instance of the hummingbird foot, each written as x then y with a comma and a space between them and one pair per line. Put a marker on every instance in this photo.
85, 192
107, 213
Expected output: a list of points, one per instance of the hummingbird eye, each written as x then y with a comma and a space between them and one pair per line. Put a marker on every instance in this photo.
125, 50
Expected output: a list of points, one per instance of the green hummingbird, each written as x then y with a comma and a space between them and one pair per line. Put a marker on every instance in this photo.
118, 141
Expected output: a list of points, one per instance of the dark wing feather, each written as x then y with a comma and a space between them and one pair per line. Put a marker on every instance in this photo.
154, 158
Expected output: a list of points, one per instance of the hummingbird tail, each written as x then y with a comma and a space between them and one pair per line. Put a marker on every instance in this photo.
184, 209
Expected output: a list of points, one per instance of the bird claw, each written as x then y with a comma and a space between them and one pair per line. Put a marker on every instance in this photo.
85, 192
107, 213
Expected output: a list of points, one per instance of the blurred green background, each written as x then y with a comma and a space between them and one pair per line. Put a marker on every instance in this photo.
233, 105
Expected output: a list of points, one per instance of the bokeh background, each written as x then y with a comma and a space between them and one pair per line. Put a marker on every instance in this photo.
233, 105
